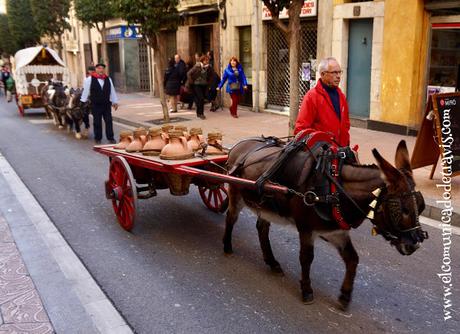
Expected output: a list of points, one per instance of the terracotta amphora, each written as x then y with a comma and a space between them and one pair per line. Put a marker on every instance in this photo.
214, 143
177, 148
196, 139
184, 130
155, 143
125, 140
165, 130
138, 142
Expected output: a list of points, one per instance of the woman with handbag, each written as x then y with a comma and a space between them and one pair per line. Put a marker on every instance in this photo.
236, 85
198, 79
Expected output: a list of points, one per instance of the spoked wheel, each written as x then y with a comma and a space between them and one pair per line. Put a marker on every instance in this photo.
121, 189
214, 196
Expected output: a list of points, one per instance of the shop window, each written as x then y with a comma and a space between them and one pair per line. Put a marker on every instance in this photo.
445, 58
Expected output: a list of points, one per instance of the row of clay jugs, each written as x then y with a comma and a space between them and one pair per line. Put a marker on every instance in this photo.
214, 143
140, 138
196, 139
155, 143
177, 147
126, 137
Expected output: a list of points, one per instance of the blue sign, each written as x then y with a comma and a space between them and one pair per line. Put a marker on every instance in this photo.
126, 32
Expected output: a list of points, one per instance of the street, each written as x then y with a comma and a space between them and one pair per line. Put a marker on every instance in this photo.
170, 274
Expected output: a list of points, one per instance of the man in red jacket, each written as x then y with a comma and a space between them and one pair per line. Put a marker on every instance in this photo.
325, 108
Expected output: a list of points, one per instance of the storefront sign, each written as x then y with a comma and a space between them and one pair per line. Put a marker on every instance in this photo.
131, 32
308, 10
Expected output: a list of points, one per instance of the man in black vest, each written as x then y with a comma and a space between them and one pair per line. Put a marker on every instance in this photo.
99, 88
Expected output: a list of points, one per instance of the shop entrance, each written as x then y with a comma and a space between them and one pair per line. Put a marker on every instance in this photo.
200, 39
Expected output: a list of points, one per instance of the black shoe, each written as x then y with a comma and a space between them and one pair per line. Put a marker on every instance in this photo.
97, 141
202, 116
112, 141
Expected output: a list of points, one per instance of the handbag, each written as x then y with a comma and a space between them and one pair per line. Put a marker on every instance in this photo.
235, 86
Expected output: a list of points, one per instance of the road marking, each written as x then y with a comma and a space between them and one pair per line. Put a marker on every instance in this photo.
40, 121
104, 315
437, 224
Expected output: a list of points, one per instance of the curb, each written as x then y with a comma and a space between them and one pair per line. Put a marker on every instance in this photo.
72, 298
431, 210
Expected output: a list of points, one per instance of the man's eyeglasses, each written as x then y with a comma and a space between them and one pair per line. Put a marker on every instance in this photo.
334, 72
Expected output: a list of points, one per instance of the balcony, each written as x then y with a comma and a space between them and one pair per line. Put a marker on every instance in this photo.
188, 4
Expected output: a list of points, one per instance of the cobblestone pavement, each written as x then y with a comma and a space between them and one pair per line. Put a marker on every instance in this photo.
21, 310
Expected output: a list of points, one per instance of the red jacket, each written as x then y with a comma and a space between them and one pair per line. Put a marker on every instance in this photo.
317, 112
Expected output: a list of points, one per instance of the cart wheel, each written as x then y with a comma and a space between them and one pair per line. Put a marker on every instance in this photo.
214, 197
121, 188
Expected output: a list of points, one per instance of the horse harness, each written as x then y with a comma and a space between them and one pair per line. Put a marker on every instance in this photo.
329, 158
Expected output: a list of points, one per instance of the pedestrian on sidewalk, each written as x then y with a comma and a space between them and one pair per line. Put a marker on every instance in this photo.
99, 88
236, 84
186, 95
198, 78
172, 81
5, 74
325, 107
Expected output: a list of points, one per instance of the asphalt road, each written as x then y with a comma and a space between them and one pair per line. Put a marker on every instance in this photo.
170, 274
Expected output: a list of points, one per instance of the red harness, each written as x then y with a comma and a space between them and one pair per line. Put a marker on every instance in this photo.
313, 137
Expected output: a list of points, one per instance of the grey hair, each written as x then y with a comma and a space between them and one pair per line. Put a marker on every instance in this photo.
324, 63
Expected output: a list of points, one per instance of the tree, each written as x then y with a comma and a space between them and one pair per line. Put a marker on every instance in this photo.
291, 32
50, 18
153, 18
7, 42
95, 13
21, 26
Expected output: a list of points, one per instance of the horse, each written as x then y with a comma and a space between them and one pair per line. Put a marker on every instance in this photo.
55, 96
77, 113
387, 191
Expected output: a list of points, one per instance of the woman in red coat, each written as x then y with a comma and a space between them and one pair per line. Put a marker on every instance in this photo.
325, 107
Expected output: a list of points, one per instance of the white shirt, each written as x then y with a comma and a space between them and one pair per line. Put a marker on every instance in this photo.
87, 87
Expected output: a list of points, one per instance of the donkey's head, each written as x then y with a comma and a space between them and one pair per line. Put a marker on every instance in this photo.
399, 205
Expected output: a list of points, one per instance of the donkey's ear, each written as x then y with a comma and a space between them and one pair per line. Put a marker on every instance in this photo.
402, 157
392, 175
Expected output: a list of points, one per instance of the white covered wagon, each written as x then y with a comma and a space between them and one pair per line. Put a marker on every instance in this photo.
33, 68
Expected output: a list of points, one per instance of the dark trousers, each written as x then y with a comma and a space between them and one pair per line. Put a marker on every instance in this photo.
100, 112
199, 92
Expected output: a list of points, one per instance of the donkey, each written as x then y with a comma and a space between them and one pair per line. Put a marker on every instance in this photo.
55, 96
77, 113
396, 215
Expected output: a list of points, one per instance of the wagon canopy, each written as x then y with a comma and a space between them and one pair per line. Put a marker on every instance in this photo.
34, 66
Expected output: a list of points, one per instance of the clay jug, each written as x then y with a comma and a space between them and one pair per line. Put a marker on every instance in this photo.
125, 140
155, 143
165, 130
183, 129
214, 143
177, 148
196, 139
137, 144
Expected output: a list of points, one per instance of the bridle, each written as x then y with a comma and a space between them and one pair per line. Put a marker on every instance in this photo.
393, 205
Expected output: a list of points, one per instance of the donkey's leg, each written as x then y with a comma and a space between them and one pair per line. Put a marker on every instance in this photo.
77, 128
351, 259
263, 228
306, 258
234, 208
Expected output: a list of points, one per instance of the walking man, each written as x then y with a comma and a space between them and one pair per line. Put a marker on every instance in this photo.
99, 88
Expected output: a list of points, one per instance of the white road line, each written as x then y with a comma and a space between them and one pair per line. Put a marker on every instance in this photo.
437, 224
105, 317
40, 121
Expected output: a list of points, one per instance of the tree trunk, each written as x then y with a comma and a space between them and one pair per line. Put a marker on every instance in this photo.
294, 51
159, 54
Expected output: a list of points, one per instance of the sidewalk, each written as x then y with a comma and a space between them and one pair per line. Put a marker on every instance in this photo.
44, 287
139, 109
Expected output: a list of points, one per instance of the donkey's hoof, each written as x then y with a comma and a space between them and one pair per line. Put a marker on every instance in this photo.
277, 270
307, 298
228, 250
78, 135
344, 302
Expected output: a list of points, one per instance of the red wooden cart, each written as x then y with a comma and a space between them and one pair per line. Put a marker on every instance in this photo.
133, 176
